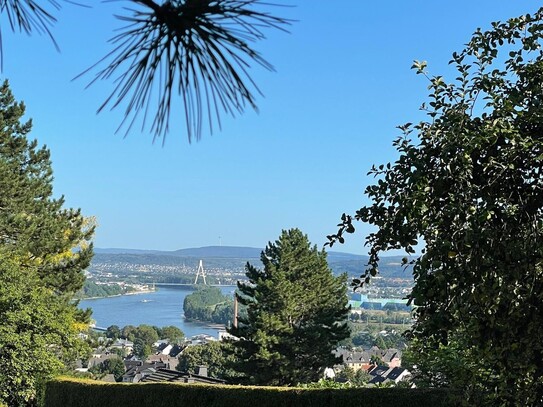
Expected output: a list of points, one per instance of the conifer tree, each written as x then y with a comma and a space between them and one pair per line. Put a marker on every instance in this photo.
34, 226
43, 251
199, 51
296, 314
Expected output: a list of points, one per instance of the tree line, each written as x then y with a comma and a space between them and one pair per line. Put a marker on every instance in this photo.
92, 290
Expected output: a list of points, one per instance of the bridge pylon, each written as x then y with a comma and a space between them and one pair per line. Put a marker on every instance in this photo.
200, 272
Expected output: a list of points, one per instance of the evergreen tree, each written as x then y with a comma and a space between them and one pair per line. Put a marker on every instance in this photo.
296, 314
197, 50
44, 249
141, 349
34, 227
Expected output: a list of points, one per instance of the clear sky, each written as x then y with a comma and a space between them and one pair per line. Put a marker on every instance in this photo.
342, 84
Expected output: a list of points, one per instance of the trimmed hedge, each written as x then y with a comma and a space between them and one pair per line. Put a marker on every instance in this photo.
66, 392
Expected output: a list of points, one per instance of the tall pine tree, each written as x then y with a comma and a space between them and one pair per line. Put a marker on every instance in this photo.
296, 314
43, 251
33, 225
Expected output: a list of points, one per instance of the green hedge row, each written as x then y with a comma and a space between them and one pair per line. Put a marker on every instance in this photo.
65, 392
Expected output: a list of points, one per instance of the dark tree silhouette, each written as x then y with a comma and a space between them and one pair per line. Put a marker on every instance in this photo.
200, 50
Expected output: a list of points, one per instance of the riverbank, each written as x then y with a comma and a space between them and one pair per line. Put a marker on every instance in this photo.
119, 295
208, 324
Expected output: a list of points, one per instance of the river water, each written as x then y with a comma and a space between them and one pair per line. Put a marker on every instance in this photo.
161, 308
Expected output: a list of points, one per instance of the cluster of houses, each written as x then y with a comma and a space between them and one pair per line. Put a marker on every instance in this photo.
162, 362
384, 366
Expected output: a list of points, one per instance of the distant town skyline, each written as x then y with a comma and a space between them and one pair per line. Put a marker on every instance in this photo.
342, 84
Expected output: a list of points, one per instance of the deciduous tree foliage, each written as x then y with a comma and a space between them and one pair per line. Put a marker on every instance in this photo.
148, 334
217, 356
43, 248
296, 314
172, 333
468, 185
114, 366
358, 378
113, 332
128, 332
37, 332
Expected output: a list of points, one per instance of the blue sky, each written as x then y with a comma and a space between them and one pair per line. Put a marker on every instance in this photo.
342, 84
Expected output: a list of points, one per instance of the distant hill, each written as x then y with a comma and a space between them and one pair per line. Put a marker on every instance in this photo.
227, 252
234, 256
389, 267
126, 251
220, 251
208, 251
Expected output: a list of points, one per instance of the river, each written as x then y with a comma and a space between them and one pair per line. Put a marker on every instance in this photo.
161, 308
